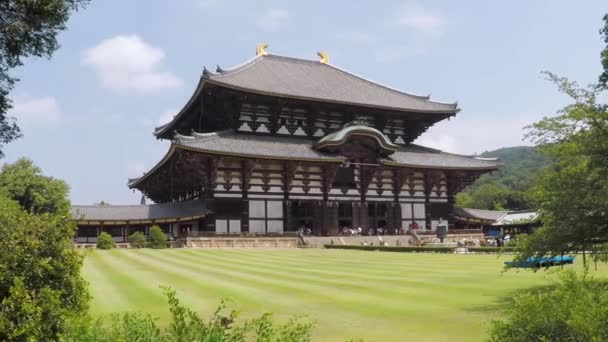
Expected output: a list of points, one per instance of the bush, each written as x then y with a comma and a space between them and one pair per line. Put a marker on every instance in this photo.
394, 249
105, 241
574, 309
187, 325
137, 240
157, 238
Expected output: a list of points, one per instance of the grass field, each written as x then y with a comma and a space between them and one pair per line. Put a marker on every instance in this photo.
376, 296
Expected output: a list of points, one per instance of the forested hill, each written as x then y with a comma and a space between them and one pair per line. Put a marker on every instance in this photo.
505, 188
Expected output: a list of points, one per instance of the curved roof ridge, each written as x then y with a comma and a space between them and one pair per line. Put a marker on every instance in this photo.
420, 97
239, 67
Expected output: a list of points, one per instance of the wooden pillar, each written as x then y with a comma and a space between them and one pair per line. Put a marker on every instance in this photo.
428, 188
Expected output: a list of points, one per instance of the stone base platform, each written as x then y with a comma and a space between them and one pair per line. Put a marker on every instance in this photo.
240, 242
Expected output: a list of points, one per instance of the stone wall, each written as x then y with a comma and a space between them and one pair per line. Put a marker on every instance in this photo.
240, 242
389, 240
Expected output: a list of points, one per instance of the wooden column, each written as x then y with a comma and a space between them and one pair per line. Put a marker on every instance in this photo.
428, 188
246, 171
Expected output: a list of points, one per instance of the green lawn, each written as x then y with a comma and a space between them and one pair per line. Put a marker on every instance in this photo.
377, 296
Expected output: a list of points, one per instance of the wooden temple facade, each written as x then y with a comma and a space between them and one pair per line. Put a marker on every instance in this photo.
281, 144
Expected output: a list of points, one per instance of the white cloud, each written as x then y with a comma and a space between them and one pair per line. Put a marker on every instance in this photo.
273, 19
167, 116
417, 18
127, 63
470, 135
35, 111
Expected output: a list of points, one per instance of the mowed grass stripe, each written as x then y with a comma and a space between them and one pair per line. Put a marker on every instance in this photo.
346, 297
137, 284
346, 279
102, 285
347, 300
373, 295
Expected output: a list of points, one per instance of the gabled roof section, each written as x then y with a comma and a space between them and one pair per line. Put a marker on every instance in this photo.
341, 136
312, 80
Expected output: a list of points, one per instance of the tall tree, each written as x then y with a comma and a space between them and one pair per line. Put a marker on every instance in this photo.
572, 194
27, 28
604, 54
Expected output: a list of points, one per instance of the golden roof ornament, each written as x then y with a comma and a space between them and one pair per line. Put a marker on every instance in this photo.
324, 58
260, 49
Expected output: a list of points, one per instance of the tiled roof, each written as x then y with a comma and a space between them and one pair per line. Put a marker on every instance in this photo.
422, 157
489, 215
517, 217
231, 143
308, 79
191, 208
272, 147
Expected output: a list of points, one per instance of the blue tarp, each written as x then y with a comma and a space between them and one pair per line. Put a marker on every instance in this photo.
540, 262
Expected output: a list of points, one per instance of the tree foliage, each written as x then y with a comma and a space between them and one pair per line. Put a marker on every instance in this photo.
24, 182
506, 188
573, 309
572, 194
604, 54
105, 241
27, 29
187, 325
157, 238
40, 282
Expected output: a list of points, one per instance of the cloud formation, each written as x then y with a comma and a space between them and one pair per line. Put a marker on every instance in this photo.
127, 63
470, 135
419, 19
35, 111
273, 19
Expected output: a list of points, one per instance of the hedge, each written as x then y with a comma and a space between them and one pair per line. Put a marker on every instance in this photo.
423, 249
394, 249
491, 249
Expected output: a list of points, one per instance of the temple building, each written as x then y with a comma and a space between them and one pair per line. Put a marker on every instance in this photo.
281, 144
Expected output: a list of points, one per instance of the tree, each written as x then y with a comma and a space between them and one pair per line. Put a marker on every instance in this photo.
572, 194
105, 241
157, 238
24, 182
27, 29
604, 54
40, 283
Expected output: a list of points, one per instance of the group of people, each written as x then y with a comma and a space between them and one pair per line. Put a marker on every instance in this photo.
348, 231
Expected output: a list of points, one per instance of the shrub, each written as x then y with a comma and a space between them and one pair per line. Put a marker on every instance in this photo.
137, 240
575, 308
157, 238
187, 325
105, 241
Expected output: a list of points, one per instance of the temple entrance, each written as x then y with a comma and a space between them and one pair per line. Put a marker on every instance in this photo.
302, 217
378, 218
345, 218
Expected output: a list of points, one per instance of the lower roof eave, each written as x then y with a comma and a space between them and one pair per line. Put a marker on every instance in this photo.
431, 167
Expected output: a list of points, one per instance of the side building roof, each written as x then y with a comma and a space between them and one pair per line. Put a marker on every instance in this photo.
312, 80
139, 213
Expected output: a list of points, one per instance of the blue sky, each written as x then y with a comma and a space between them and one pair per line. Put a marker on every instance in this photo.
124, 66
